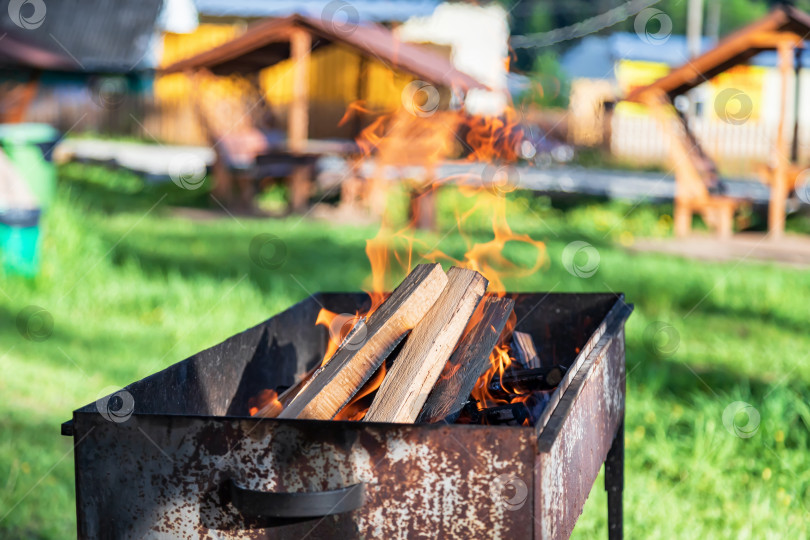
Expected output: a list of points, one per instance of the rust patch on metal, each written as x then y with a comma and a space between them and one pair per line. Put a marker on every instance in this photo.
577, 439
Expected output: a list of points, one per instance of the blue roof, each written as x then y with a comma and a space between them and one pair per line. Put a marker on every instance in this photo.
594, 57
367, 10
673, 52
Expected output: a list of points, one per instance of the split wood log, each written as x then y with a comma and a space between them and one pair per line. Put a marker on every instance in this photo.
405, 388
334, 384
275, 406
468, 361
525, 352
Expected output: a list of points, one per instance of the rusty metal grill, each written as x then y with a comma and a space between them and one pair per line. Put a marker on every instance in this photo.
176, 455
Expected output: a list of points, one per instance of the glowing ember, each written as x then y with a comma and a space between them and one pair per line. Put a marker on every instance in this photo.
265, 404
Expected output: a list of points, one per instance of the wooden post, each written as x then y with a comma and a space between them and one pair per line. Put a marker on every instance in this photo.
781, 151
224, 183
300, 183
362, 85
797, 69
298, 121
422, 211
681, 217
688, 183
27, 92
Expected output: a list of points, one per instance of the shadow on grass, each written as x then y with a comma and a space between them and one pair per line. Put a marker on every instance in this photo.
682, 380
113, 190
748, 315
231, 254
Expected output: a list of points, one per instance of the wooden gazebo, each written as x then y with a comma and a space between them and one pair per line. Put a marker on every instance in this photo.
782, 30
295, 38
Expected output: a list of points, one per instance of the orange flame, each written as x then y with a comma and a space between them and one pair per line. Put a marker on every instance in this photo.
357, 408
338, 325
402, 140
405, 142
266, 404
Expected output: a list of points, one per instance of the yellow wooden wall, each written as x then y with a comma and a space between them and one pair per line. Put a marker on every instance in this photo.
334, 76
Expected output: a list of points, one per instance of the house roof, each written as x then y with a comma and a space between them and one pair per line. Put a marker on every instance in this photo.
595, 57
268, 43
735, 49
79, 36
366, 10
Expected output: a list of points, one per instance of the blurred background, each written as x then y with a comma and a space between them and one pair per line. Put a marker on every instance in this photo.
175, 171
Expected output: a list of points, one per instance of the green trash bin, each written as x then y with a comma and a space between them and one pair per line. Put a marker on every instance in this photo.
19, 241
29, 147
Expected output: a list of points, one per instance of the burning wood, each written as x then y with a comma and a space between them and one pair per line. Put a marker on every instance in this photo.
416, 369
270, 404
517, 413
367, 376
468, 361
525, 352
334, 384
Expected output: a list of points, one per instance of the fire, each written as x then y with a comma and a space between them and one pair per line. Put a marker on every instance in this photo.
407, 141
414, 141
494, 139
402, 140
357, 408
265, 404
339, 325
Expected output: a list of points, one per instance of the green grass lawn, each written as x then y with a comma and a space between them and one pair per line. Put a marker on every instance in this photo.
132, 289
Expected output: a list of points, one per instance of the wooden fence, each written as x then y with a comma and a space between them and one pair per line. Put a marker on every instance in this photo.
738, 150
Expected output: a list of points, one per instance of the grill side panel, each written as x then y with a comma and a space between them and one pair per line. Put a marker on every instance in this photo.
167, 477
576, 440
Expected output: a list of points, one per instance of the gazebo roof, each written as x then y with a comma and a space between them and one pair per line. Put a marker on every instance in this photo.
735, 49
268, 43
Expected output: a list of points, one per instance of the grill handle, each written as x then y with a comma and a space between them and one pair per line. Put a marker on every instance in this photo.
297, 505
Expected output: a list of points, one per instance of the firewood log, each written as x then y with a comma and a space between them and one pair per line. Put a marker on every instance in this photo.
405, 388
334, 384
467, 362
525, 352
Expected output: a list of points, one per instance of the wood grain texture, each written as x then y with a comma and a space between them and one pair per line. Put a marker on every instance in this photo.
524, 349
334, 384
274, 408
416, 369
468, 360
